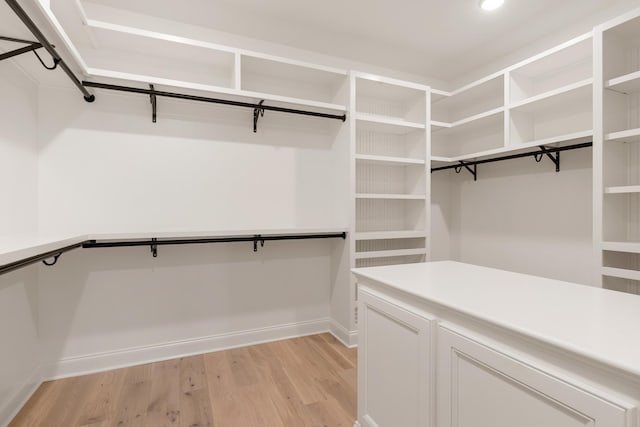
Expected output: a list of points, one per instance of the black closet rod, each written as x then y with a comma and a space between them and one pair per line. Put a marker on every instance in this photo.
152, 92
255, 238
514, 156
148, 242
37, 258
13, 4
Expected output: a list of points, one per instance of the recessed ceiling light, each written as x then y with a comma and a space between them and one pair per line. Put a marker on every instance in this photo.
491, 4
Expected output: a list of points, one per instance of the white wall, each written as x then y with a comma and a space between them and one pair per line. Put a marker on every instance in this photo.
102, 308
523, 216
105, 167
20, 349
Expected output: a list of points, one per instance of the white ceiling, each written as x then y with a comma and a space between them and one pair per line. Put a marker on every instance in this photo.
443, 39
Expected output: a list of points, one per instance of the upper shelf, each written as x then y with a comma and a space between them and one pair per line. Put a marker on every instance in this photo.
574, 92
628, 83
387, 160
390, 98
630, 135
386, 124
560, 140
553, 70
113, 43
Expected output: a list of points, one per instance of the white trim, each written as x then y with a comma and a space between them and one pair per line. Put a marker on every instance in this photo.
14, 404
348, 338
98, 362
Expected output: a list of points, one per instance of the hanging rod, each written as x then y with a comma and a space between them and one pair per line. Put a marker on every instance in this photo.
255, 238
536, 154
17, 9
55, 254
31, 46
257, 108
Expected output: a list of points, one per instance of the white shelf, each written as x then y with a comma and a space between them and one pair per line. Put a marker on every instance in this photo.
575, 137
470, 119
387, 160
216, 90
391, 196
630, 135
621, 273
436, 124
622, 189
386, 124
385, 235
629, 83
440, 159
390, 253
629, 247
575, 91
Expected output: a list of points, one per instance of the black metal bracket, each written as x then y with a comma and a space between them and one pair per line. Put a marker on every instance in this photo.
55, 260
257, 112
154, 104
257, 238
154, 247
473, 171
545, 151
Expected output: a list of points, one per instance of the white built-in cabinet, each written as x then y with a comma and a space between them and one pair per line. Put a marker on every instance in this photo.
434, 352
617, 169
391, 179
544, 100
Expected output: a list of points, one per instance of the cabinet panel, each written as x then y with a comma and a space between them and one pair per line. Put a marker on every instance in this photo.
480, 386
394, 365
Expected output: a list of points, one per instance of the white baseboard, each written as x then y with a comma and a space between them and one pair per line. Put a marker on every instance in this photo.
12, 406
91, 363
348, 338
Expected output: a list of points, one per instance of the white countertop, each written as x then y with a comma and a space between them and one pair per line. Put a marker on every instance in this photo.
597, 323
16, 248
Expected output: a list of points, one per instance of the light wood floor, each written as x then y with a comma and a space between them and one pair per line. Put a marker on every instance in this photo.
309, 381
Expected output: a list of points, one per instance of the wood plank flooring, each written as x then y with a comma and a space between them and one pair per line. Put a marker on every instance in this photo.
308, 381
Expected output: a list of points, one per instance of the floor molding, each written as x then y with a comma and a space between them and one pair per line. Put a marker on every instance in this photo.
13, 405
348, 338
98, 362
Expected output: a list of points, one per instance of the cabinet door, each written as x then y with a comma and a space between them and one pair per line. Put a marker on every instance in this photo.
479, 386
394, 365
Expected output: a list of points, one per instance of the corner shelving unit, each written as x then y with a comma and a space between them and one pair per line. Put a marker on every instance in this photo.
617, 175
544, 100
390, 156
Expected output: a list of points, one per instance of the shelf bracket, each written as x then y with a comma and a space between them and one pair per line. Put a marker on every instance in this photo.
154, 248
545, 151
257, 238
473, 171
154, 104
55, 260
257, 112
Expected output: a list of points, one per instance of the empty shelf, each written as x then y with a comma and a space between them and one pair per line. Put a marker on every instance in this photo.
629, 83
383, 235
387, 160
390, 253
621, 273
622, 189
630, 247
